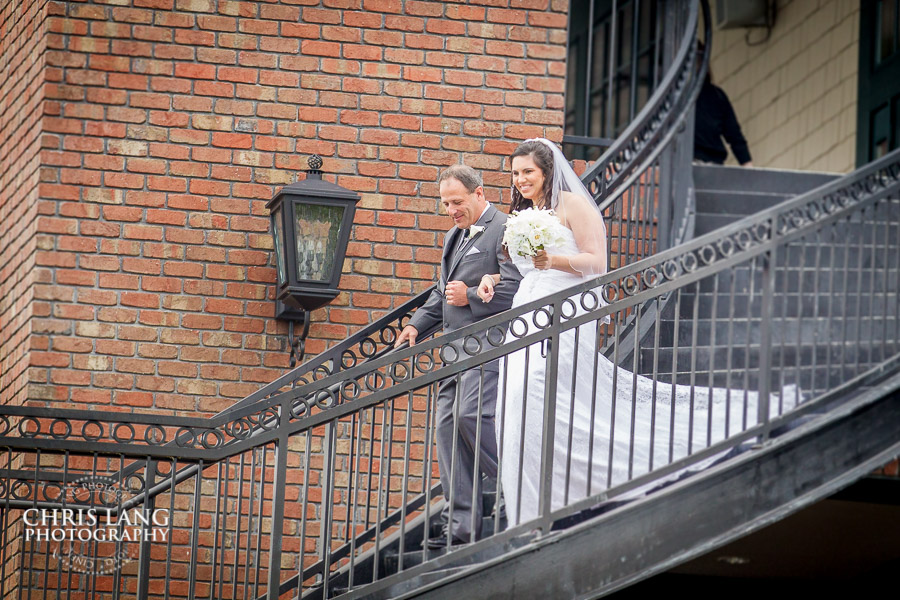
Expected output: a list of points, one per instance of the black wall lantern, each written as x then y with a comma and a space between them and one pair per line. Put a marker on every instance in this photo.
311, 223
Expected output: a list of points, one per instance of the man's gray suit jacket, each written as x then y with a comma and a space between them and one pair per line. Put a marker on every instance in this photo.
479, 255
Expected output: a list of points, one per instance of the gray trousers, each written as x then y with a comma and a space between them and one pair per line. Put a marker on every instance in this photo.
459, 441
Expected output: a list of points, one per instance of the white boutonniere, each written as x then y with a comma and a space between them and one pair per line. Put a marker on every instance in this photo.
474, 230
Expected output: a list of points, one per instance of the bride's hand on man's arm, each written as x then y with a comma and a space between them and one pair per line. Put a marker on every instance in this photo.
486, 287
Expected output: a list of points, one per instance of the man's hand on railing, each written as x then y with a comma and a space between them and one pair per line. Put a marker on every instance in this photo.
408, 334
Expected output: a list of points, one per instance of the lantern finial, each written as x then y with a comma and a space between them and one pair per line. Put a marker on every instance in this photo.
315, 167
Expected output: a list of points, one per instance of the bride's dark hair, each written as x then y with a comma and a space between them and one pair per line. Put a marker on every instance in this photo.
543, 158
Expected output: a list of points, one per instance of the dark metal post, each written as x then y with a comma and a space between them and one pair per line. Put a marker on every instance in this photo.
143, 590
279, 481
765, 339
549, 425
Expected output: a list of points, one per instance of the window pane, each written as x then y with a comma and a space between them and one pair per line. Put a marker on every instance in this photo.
886, 26
880, 132
317, 229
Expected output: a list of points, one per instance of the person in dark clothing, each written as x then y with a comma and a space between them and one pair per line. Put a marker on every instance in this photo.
714, 120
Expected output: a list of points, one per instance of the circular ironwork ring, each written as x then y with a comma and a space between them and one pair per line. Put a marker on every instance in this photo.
114, 434
650, 276
500, 332
630, 285
609, 292
321, 372
48, 487
185, 437
707, 254
4, 425
239, 429
66, 432
269, 414
204, 439
445, 350
670, 269
843, 198
761, 231
813, 211
348, 359
828, 204
325, 398
796, 218
299, 408
595, 300
354, 386
154, 440
475, 346
429, 365
573, 309
368, 348
388, 335
29, 434
545, 311
725, 246
89, 436
689, 262
394, 371
134, 483
520, 320
743, 239
17, 488
374, 381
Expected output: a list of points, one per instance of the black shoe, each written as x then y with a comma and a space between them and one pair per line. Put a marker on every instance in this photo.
440, 542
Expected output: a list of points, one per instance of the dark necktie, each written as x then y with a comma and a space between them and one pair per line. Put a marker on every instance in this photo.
463, 240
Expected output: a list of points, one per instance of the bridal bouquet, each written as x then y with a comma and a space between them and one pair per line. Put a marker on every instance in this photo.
531, 230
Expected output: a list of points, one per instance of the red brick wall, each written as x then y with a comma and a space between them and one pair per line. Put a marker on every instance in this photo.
22, 46
170, 123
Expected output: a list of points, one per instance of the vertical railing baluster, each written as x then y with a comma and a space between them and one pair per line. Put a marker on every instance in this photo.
307, 467
195, 532
817, 275
279, 485
673, 395
549, 425
328, 450
145, 548
710, 380
634, 387
617, 317
846, 294
801, 279
257, 561
404, 485
657, 322
573, 385
172, 470
476, 472
215, 546
381, 493
354, 474
521, 465
236, 543
765, 340
695, 325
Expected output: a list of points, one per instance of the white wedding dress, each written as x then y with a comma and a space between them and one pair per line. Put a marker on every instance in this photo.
583, 419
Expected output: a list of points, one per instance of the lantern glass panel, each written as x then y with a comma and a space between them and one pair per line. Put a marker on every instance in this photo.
279, 249
317, 229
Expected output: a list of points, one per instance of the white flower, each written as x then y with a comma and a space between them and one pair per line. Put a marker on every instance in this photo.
475, 230
531, 230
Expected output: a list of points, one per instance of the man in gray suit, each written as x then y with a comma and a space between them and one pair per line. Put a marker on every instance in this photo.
472, 249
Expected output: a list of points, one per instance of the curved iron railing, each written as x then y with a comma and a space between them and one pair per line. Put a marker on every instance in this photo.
829, 258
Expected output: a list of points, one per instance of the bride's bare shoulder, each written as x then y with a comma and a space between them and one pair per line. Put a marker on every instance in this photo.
573, 206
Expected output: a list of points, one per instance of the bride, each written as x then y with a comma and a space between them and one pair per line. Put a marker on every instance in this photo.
610, 425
